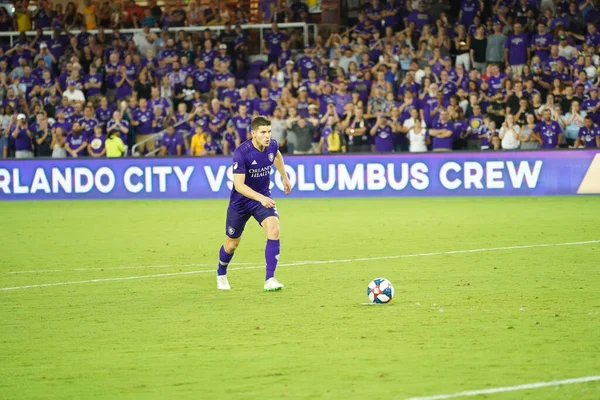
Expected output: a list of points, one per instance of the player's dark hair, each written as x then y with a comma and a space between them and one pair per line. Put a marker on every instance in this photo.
260, 121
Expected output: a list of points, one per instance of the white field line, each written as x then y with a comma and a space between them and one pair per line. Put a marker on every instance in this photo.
41, 271
504, 389
316, 262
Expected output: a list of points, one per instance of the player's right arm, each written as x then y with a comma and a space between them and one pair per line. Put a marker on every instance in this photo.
246, 191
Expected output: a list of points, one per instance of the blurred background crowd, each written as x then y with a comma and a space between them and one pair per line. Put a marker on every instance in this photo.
145, 79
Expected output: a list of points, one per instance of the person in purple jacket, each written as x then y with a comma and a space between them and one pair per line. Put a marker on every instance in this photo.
251, 197
548, 132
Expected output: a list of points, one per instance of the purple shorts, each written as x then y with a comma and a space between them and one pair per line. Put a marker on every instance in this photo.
236, 220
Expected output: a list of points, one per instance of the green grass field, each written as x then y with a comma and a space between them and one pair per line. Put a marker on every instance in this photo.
459, 321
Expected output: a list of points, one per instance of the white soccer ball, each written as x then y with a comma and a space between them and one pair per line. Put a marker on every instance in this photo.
380, 291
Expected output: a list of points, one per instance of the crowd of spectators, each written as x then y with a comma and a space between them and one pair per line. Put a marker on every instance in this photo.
410, 75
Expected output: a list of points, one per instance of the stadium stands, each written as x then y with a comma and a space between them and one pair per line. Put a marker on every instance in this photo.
404, 76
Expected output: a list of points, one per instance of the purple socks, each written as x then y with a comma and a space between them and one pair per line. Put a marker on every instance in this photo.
272, 256
224, 259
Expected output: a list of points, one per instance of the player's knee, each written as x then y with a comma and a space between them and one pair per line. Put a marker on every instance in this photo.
231, 244
273, 232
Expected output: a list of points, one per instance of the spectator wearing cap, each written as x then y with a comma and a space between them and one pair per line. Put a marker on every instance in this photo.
171, 142
496, 44
114, 145
46, 56
42, 136
72, 94
565, 50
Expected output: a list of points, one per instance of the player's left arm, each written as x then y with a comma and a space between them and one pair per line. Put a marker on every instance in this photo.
287, 186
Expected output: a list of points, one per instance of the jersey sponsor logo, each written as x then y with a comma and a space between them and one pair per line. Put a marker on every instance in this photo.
254, 162
259, 172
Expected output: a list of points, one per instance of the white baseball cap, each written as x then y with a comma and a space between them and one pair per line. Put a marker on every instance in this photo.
20, 117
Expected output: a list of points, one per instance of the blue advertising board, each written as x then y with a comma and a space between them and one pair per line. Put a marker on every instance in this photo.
567, 172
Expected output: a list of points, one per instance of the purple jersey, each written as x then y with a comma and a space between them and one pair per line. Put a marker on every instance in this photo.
384, 139
517, 48
248, 103
208, 57
103, 115
476, 125
588, 136
97, 143
544, 41
428, 104
145, 119
495, 83
22, 141
233, 94
87, 126
125, 90
306, 64
231, 138
75, 141
202, 80
443, 143
93, 79
549, 133
274, 40
420, 18
469, 9
242, 125
172, 142
265, 107
256, 166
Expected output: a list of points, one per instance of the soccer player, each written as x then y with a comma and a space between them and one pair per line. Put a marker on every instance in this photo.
251, 197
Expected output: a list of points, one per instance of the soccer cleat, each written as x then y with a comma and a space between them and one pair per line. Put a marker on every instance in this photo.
273, 285
222, 282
